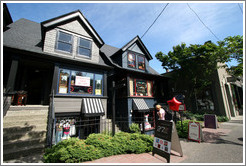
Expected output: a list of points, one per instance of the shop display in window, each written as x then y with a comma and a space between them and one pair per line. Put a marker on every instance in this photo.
78, 82
147, 125
141, 63
131, 60
141, 88
65, 128
81, 83
63, 81
98, 84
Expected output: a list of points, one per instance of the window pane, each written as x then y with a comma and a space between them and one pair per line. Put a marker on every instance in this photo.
149, 88
84, 43
64, 47
63, 81
65, 37
81, 83
131, 60
131, 86
83, 51
98, 84
141, 63
141, 88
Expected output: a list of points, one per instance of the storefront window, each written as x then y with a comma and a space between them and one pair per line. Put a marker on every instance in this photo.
63, 81
66, 127
131, 60
140, 87
80, 83
98, 84
141, 63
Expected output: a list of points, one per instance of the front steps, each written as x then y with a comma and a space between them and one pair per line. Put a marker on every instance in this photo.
24, 133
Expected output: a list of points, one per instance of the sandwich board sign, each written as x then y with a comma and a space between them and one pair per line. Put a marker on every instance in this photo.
166, 139
194, 131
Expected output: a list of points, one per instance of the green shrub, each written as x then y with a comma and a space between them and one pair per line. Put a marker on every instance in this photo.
104, 143
134, 127
72, 150
222, 119
96, 146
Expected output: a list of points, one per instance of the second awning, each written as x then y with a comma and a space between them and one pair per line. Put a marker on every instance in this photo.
140, 105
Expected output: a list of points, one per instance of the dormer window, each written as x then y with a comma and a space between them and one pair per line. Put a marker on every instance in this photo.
131, 60
84, 48
141, 63
64, 42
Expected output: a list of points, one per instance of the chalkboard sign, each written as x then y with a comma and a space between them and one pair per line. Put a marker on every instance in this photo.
163, 139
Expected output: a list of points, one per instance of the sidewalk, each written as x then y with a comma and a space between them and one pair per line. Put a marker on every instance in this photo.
211, 137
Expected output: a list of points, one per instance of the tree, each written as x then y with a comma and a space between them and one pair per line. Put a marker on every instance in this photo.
195, 65
234, 48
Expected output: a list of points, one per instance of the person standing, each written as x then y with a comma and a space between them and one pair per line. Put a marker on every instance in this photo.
161, 112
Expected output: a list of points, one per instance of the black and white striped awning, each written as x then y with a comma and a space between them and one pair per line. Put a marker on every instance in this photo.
92, 107
140, 105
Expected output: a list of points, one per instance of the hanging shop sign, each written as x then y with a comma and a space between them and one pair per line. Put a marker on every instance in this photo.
82, 81
166, 139
194, 131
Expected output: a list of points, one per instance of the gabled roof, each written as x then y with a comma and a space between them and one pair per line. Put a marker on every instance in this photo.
69, 16
109, 51
137, 40
25, 36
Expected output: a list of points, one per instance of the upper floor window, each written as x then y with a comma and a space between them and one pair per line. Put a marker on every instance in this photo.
131, 60
64, 42
84, 47
141, 63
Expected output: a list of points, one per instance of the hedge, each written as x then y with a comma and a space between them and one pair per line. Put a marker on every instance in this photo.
97, 146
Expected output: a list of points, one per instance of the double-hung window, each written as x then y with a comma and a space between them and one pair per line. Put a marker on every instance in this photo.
84, 48
64, 42
131, 60
141, 63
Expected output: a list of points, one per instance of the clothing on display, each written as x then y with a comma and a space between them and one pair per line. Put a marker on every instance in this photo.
65, 128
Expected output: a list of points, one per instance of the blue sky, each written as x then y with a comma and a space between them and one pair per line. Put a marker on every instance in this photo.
118, 23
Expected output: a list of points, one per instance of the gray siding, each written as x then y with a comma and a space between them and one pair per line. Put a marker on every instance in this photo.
135, 48
76, 29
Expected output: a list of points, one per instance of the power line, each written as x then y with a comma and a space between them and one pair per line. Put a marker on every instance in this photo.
240, 8
203, 22
154, 20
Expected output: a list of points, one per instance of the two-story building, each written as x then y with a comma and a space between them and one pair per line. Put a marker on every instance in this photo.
140, 87
59, 56
64, 63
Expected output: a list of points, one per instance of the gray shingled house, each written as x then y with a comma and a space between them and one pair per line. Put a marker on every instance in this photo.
138, 86
64, 67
